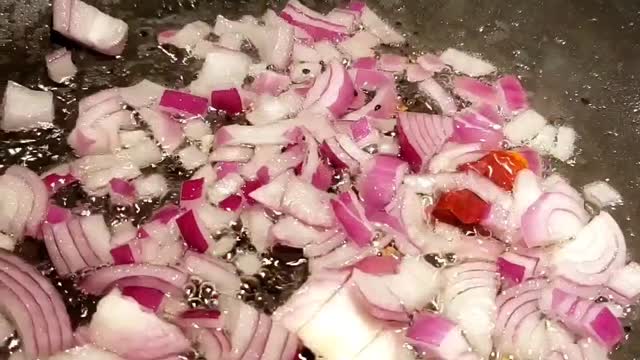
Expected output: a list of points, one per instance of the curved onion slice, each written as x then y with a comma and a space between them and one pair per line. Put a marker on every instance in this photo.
597, 251
122, 326
552, 218
335, 93
377, 298
421, 136
40, 197
101, 280
219, 273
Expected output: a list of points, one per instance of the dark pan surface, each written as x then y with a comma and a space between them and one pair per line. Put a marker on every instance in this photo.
579, 58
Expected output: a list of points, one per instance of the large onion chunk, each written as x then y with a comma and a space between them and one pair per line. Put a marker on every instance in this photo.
122, 326
25, 108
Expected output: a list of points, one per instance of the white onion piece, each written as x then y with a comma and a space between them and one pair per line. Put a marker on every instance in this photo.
558, 184
142, 154
626, 281
165, 130
222, 69
224, 188
192, 158
601, 194
7, 242
269, 109
262, 155
89, 26
565, 143
60, 66
304, 72
196, 129
308, 204
327, 51
359, 45
278, 133
259, 228
402, 284
151, 186
597, 251
466, 63
357, 329
95, 171
272, 194
291, 232
24, 108
437, 336
377, 298
469, 299
545, 141
223, 246
441, 96
248, 263
308, 301
220, 273
232, 154
145, 93
215, 219
122, 326
378, 27
188, 36
525, 126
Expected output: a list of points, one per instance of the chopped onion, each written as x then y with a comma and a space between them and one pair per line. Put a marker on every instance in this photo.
271, 82
565, 143
192, 158
187, 37
166, 131
316, 25
219, 273
545, 140
310, 205
360, 45
601, 194
269, 109
183, 104
475, 90
333, 90
441, 96
416, 73
25, 108
60, 66
151, 186
222, 69
89, 26
421, 136
466, 63
227, 100
524, 126
514, 96
597, 251
625, 281
378, 27
437, 336
350, 214
431, 63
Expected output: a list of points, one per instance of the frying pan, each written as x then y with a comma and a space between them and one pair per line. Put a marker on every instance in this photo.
579, 58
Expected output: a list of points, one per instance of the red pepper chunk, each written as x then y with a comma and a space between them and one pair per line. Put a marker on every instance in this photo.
501, 167
461, 207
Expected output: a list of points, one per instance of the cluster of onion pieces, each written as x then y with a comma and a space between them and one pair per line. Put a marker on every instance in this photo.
332, 165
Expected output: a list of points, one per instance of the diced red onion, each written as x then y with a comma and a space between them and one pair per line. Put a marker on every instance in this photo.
513, 94
441, 96
344, 17
553, 217
121, 192
89, 26
148, 297
597, 251
565, 143
421, 136
122, 326
270, 82
278, 133
308, 204
183, 104
316, 25
378, 27
379, 265
193, 232
38, 206
383, 105
438, 336
124, 254
25, 108
359, 45
475, 90
350, 214
431, 63
515, 268
336, 94
625, 282
382, 176
466, 63
338, 158
192, 193
377, 298
165, 131
187, 37
416, 73
227, 100
471, 127
60, 66
392, 63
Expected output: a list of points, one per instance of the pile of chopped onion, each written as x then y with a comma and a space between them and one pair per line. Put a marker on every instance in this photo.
426, 235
